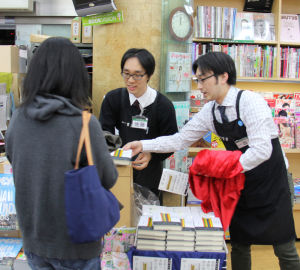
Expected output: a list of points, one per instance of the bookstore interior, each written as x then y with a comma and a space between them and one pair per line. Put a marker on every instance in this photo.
173, 230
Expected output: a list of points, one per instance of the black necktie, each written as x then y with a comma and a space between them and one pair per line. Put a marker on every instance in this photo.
223, 115
136, 104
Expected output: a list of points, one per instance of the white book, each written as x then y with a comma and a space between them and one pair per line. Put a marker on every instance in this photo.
151, 263
181, 237
289, 31
151, 242
198, 264
150, 247
180, 248
174, 182
180, 243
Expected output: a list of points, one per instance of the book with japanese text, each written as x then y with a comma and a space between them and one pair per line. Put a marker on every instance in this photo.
8, 215
289, 31
179, 70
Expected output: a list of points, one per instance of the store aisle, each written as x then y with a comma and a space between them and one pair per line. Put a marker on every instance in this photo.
263, 257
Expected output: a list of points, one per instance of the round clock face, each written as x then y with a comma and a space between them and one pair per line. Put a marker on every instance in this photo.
180, 24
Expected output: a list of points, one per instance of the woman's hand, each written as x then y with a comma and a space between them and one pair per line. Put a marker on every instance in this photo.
142, 161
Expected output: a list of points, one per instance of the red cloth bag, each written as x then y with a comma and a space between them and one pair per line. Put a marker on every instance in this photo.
215, 178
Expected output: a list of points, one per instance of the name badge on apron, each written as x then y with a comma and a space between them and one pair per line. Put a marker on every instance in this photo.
242, 142
139, 121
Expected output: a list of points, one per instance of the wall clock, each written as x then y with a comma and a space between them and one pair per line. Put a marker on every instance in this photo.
180, 24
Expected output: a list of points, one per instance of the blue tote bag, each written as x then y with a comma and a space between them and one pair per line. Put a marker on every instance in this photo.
91, 210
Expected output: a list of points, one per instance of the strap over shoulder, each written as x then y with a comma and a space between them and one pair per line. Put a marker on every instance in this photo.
84, 138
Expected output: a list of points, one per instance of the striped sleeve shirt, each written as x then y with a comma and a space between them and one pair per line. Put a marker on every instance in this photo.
255, 114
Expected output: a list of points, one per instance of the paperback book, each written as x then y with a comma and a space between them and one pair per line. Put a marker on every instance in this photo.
8, 216
121, 157
179, 70
289, 31
174, 182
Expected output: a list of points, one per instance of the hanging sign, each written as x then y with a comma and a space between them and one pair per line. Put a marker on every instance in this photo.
104, 18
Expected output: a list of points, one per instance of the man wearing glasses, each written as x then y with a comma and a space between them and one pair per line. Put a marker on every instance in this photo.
138, 112
244, 122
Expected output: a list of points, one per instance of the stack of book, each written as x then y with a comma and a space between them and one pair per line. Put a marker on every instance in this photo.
184, 239
179, 229
208, 231
147, 238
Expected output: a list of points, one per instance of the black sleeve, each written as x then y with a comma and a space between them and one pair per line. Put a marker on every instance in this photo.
108, 113
166, 121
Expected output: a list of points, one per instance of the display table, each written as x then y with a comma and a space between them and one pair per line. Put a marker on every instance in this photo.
123, 190
177, 255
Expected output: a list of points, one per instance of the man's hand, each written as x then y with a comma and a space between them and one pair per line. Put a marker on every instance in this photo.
136, 147
141, 161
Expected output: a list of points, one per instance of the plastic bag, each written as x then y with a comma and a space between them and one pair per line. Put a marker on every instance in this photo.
142, 195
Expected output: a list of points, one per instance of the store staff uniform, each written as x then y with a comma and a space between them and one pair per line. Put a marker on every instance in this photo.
153, 116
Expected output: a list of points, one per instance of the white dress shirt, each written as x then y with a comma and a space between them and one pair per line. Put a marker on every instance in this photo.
146, 99
255, 114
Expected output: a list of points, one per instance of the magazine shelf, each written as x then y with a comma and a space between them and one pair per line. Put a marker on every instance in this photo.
231, 41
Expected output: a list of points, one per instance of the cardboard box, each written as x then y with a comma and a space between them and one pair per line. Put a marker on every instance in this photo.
76, 30
123, 190
35, 38
16, 87
87, 34
9, 55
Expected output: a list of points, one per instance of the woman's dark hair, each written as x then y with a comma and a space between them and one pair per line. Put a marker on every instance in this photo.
218, 63
145, 57
57, 68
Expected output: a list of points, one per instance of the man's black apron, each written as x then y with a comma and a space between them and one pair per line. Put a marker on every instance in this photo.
264, 213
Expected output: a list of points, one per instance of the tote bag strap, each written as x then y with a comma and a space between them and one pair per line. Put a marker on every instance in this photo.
84, 139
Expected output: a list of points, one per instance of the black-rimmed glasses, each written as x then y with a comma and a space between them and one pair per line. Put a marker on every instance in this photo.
136, 77
198, 80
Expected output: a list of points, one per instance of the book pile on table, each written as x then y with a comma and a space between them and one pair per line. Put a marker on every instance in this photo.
209, 233
179, 229
147, 237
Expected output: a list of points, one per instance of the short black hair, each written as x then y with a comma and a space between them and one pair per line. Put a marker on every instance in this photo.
145, 58
285, 105
57, 68
218, 63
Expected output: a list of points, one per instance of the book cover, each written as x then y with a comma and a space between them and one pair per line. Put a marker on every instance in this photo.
286, 131
179, 70
166, 221
10, 247
244, 26
114, 260
119, 240
151, 263
264, 27
198, 263
182, 111
8, 216
289, 31
121, 157
284, 107
177, 161
174, 182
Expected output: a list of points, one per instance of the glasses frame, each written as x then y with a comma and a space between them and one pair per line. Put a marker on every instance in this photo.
136, 77
198, 80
